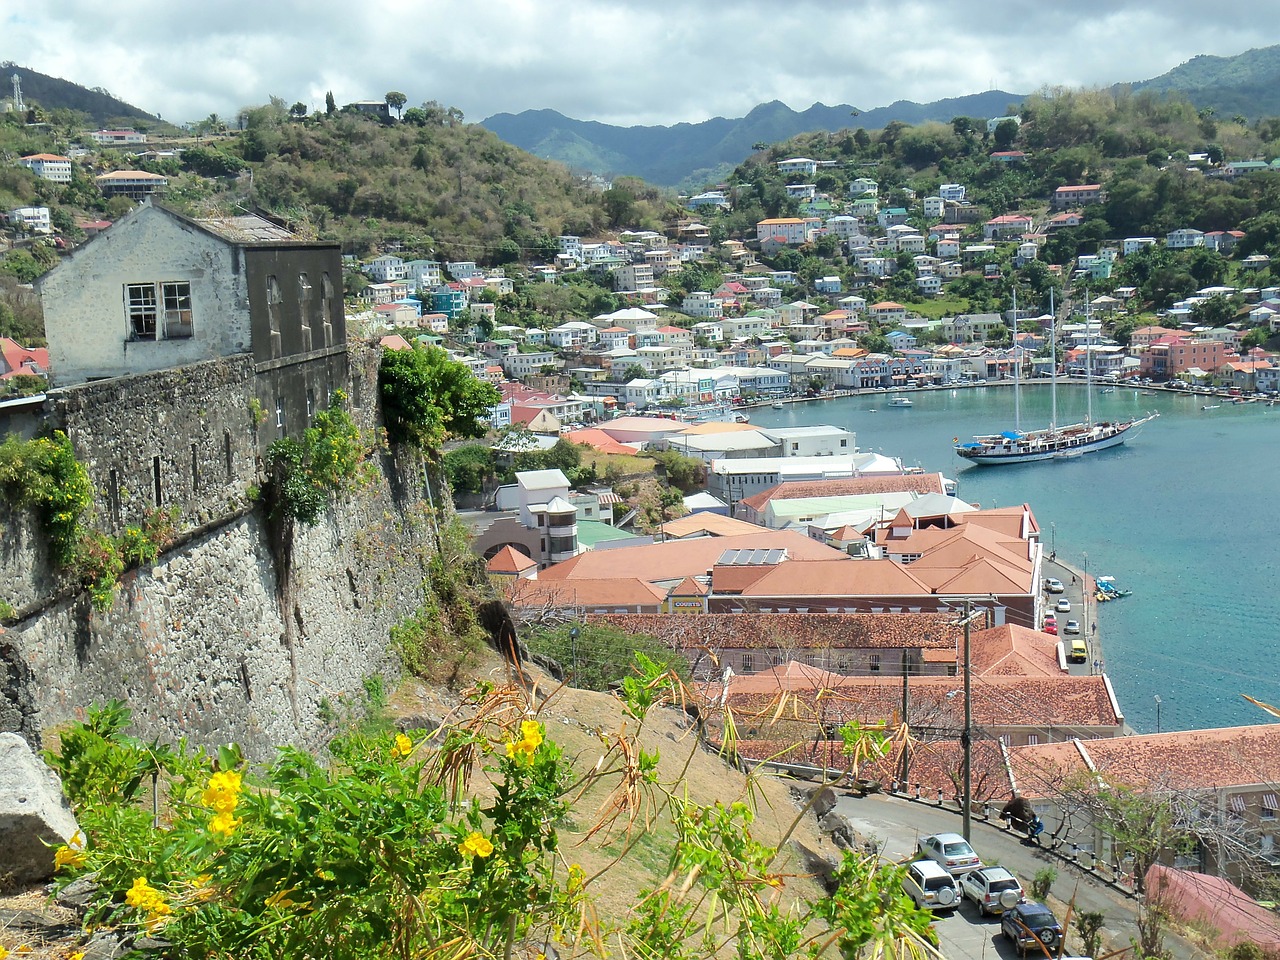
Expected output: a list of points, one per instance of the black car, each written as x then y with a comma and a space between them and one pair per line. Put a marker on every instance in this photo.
1032, 926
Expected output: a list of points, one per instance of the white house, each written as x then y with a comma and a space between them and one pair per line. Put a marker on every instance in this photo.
384, 269
934, 208
1133, 244
1184, 239
798, 165
31, 219
819, 441
703, 304
951, 191
863, 185
929, 286
827, 284
573, 335
49, 166
422, 275
463, 270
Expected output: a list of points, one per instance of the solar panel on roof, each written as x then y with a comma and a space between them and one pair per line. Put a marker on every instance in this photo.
755, 556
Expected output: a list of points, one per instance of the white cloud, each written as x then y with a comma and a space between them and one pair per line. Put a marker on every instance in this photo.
618, 61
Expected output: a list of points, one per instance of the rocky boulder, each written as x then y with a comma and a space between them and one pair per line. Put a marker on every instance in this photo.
34, 816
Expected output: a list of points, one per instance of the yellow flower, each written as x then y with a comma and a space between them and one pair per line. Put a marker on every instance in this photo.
476, 845
531, 731
223, 792
530, 740
70, 854
139, 893
403, 747
224, 824
78, 955
4, 952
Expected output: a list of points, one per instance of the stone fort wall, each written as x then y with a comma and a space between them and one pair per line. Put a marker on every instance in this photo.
214, 642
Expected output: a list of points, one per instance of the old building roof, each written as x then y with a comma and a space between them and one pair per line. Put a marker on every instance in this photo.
794, 631
674, 560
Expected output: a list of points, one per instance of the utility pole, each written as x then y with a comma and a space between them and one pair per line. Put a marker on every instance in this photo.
966, 735
966, 738
906, 739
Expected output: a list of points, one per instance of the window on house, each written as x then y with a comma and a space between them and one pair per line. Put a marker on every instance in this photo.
177, 310
311, 403
1032, 739
280, 413
274, 299
873, 663
143, 310
748, 662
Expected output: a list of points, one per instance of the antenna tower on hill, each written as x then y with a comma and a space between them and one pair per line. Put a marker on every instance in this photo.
18, 103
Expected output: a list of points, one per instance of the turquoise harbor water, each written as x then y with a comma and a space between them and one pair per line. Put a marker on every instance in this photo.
1182, 514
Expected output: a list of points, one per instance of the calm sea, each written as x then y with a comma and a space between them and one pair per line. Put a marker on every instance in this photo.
1179, 514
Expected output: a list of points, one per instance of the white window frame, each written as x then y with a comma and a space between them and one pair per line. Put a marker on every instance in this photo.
160, 310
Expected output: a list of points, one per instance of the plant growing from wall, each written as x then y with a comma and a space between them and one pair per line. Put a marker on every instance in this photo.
43, 474
331, 458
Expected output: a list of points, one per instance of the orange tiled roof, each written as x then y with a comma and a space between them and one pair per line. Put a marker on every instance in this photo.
677, 559
1066, 702
509, 560
1183, 760
849, 486
808, 631
710, 524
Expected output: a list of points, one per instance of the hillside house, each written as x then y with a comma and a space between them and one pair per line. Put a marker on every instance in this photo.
48, 166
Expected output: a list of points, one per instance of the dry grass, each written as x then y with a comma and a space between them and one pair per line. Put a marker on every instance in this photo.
633, 852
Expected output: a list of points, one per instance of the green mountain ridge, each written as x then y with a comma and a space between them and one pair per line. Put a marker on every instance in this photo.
1247, 84
53, 93
682, 153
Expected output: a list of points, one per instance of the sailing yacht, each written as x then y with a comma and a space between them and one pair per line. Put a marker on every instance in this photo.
1054, 442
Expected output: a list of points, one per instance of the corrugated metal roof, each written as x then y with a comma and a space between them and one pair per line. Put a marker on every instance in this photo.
247, 228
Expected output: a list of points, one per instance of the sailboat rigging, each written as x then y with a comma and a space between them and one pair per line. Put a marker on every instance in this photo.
1053, 443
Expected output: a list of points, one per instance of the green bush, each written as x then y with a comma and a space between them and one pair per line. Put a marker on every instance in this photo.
601, 655
1042, 882
427, 397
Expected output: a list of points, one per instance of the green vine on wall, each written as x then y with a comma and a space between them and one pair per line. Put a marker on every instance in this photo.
44, 475
331, 458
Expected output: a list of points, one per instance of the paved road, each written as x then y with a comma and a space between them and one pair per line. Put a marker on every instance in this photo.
895, 824
1072, 581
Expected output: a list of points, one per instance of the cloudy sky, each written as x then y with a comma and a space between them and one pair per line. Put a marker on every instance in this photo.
617, 61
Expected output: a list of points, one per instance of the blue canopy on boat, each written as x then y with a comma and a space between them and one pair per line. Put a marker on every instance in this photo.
1011, 435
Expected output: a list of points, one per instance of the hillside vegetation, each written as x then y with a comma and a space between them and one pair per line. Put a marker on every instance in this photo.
1245, 84
1135, 144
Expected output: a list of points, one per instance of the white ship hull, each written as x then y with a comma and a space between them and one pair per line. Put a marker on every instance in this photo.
1065, 443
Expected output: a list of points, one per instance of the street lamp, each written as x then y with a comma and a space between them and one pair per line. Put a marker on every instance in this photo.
1158, 702
1053, 550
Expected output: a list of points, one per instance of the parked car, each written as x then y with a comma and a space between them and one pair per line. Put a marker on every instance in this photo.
1073, 626
931, 886
1077, 652
951, 851
992, 889
1063, 606
1054, 585
1030, 925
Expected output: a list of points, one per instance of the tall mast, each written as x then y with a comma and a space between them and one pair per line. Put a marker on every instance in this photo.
1017, 368
1053, 362
1088, 357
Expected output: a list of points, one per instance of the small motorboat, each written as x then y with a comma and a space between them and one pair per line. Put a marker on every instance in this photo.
900, 401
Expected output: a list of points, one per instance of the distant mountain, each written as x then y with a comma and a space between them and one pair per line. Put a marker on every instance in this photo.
53, 92
1247, 84
699, 152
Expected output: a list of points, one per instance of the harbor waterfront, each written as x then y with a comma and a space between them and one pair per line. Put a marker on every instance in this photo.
1180, 515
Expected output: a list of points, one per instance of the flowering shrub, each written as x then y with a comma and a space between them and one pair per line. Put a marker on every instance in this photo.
441, 846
